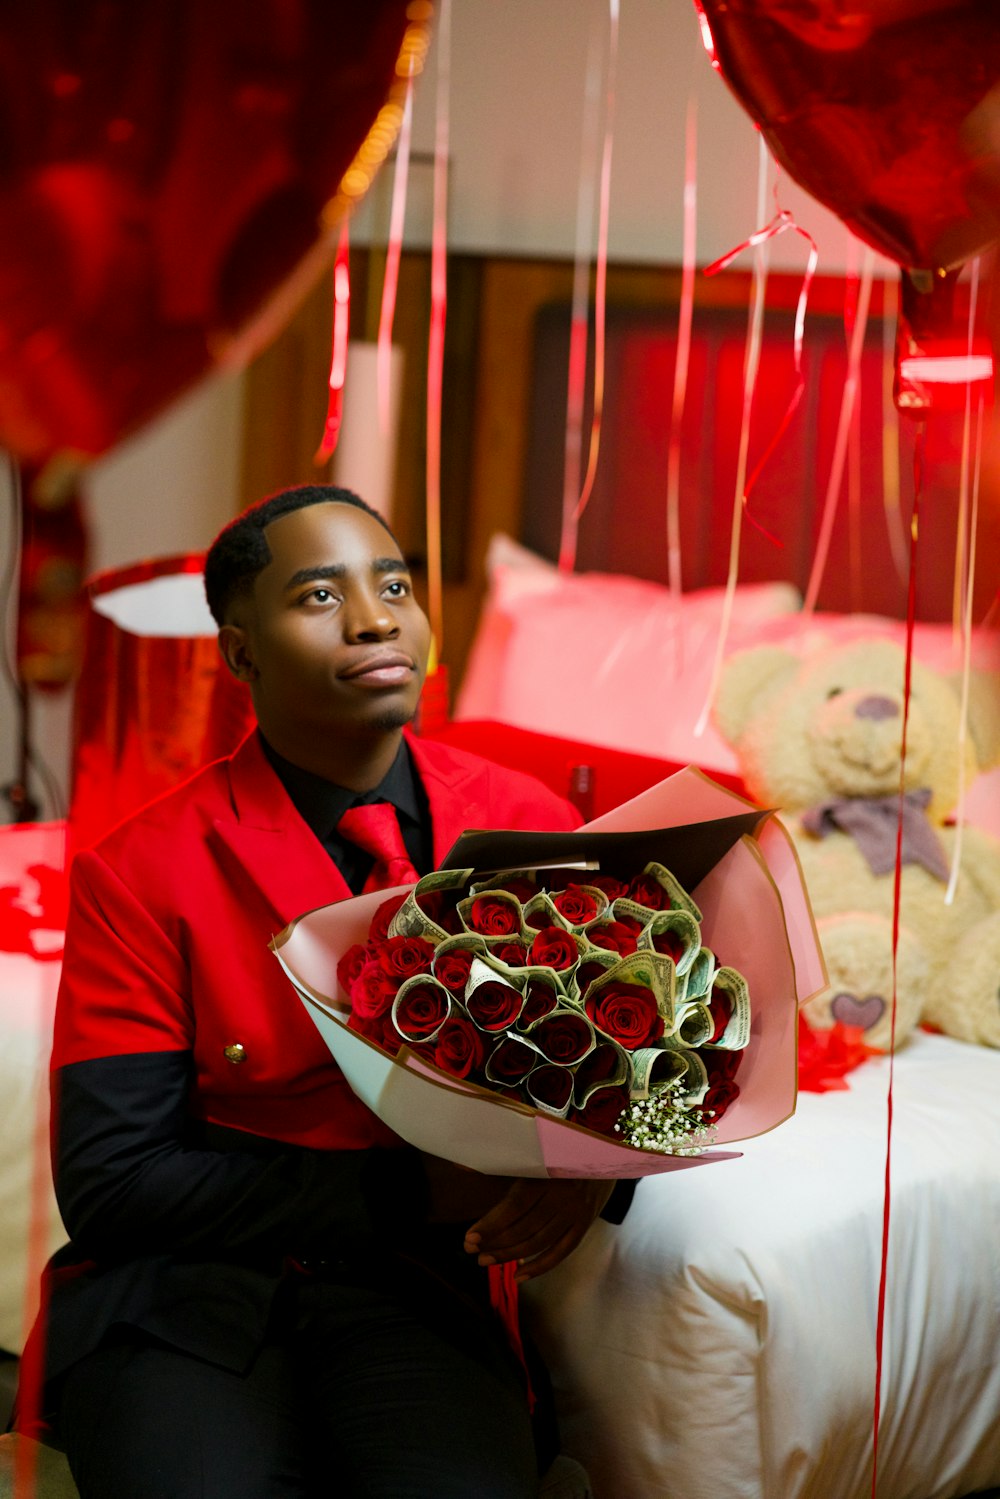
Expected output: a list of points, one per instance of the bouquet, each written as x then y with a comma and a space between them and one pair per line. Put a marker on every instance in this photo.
510, 1010
584, 995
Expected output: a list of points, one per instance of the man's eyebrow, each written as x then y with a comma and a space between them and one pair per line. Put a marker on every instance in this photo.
326, 570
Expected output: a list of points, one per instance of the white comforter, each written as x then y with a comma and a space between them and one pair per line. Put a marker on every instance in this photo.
720, 1344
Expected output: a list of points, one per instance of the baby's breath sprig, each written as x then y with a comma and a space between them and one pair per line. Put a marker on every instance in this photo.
661, 1123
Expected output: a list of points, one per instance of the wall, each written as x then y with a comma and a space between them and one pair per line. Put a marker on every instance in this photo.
518, 72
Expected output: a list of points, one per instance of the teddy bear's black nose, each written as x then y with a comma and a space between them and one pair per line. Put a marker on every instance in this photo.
877, 707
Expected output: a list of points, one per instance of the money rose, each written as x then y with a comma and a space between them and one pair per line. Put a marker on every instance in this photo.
452, 968
494, 918
576, 905
616, 936
553, 948
421, 1010
563, 1037
627, 1013
647, 891
602, 1110
494, 1007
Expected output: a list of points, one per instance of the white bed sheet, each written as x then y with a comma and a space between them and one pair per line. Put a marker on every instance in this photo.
720, 1344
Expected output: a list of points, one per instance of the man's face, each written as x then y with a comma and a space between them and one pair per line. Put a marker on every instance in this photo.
334, 637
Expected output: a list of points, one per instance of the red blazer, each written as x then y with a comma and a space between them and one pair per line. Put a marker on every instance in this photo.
186, 1180
171, 915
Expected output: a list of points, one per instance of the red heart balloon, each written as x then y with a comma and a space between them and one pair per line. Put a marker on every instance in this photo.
887, 111
163, 169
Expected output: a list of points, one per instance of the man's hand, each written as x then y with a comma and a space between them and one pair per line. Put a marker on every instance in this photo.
537, 1222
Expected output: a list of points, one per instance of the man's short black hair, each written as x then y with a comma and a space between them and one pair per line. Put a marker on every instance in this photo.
240, 551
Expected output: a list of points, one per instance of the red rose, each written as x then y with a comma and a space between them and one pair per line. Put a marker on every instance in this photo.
616, 936
553, 948
575, 905
514, 954
721, 1066
380, 921
718, 1098
351, 964
459, 1048
494, 917
602, 1110
647, 891
627, 1013
601, 1064
630, 924
402, 957
588, 972
564, 1037
494, 1007
420, 1011
671, 944
720, 1007
539, 1000
452, 968
378, 1028
511, 1061
372, 992
550, 1086
611, 887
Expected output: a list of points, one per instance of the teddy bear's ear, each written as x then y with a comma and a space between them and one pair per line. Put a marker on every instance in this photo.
748, 679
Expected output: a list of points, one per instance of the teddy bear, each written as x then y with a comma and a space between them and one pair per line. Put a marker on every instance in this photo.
818, 738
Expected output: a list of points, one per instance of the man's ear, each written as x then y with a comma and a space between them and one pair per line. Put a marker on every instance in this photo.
236, 653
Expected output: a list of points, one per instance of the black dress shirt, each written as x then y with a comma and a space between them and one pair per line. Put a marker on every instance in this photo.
321, 804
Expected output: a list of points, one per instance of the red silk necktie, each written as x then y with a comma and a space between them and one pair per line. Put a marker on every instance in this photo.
375, 828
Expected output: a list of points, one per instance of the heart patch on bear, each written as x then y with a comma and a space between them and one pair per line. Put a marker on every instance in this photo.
850, 1010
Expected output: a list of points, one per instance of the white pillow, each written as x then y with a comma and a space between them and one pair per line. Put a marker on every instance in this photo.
606, 659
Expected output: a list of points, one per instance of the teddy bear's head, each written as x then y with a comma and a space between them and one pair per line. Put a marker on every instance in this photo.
830, 725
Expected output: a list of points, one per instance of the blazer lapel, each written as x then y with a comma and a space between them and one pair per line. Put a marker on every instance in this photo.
454, 792
270, 845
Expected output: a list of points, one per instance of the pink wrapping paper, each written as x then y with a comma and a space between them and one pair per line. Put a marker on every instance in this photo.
756, 917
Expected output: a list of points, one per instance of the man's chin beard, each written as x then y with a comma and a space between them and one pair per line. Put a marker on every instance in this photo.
391, 719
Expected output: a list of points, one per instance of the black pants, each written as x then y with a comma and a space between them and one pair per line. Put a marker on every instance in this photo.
352, 1397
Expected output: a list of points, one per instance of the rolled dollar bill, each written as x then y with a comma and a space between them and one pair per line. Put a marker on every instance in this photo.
421, 1008
411, 920
729, 991
654, 1067
550, 1087
675, 934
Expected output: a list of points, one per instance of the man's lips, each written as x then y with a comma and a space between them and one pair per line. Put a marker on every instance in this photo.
387, 669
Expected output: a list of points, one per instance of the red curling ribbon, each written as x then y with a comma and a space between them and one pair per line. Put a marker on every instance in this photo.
338, 363
504, 1301
847, 404
574, 506
782, 221
685, 315
438, 320
390, 281
911, 612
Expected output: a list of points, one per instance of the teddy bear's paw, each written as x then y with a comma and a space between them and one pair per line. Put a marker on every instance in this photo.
963, 997
857, 947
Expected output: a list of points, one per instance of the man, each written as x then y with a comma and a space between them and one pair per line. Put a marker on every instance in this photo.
266, 1293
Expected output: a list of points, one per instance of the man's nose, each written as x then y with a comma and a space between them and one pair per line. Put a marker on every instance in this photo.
368, 617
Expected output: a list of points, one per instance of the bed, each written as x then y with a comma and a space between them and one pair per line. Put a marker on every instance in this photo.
720, 1344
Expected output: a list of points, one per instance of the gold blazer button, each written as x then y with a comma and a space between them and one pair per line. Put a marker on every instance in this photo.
235, 1053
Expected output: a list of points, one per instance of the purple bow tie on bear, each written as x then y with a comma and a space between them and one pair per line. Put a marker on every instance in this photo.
872, 821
